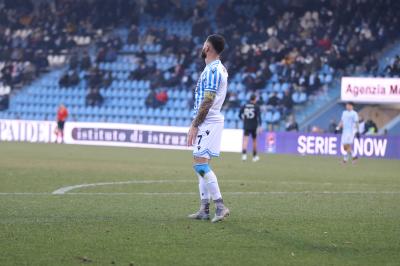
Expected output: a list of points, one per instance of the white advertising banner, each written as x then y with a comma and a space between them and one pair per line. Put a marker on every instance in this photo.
370, 90
30, 131
110, 134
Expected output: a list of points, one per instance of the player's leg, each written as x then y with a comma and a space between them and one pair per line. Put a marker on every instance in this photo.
203, 168
345, 140
353, 154
347, 153
354, 157
204, 211
255, 155
58, 131
209, 146
62, 131
245, 143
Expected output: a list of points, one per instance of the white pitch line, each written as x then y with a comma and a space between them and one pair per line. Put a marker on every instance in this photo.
66, 189
234, 193
24, 193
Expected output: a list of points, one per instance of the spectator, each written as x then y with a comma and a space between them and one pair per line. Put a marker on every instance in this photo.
70, 78
332, 126
161, 98
291, 124
370, 127
287, 102
150, 101
273, 100
133, 36
86, 62
4, 97
94, 98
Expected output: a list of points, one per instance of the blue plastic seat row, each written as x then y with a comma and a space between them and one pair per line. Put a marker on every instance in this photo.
117, 66
148, 48
130, 84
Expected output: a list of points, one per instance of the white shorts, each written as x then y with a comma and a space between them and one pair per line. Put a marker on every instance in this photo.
208, 141
347, 138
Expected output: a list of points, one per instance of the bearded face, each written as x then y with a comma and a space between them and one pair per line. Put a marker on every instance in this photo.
204, 51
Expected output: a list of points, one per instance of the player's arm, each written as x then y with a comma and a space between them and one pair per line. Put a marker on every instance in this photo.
259, 122
357, 131
210, 93
205, 107
258, 113
241, 113
340, 125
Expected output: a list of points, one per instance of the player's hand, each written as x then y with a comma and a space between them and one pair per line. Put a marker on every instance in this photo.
191, 136
259, 130
358, 135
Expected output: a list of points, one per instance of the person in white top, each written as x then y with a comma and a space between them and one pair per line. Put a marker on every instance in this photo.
349, 124
206, 129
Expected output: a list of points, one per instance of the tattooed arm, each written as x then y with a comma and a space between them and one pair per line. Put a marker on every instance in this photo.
205, 106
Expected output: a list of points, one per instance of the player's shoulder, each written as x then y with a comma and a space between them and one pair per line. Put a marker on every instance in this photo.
216, 67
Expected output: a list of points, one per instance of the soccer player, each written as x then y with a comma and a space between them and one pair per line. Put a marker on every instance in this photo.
62, 115
206, 129
251, 116
349, 126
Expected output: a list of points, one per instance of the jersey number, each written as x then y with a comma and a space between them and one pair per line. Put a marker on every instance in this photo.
249, 113
200, 137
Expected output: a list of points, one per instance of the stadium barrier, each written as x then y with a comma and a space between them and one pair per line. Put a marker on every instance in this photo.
370, 90
387, 147
146, 136
110, 134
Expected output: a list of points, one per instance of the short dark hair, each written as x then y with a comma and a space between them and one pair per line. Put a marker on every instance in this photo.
217, 41
350, 103
253, 97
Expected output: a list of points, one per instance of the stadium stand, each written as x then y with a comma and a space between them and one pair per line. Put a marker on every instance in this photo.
137, 61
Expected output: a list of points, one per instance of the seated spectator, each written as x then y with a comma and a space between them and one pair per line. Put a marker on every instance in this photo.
133, 36
291, 124
86, 62
94, 98
370, 127
287, 102
273, 100
140, 73
110, 54
4, 97
150, 101
394, 68
332, 126
232, 100
95, 78
161, 98
70, 78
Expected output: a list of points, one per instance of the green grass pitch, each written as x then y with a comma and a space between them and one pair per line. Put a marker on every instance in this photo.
355, 222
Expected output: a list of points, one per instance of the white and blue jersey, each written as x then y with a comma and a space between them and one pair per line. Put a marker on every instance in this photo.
349, 126
213, 78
